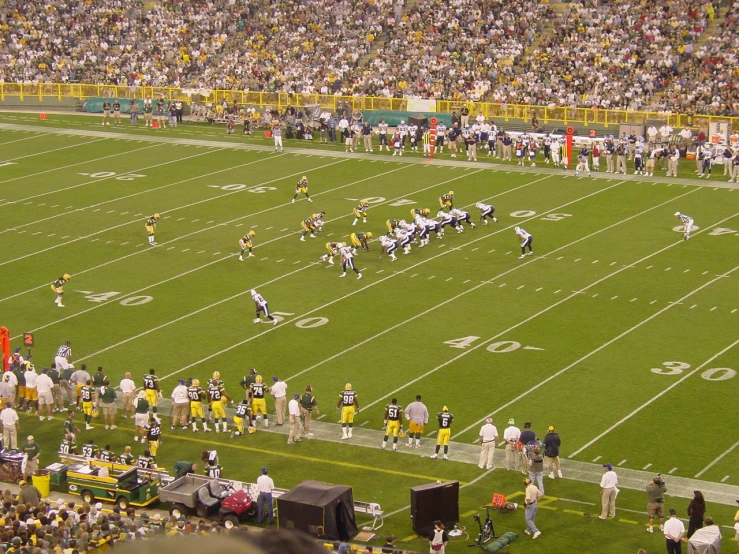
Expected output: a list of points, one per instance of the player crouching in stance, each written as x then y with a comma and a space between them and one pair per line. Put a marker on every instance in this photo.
405, 236
462, 216
448, 219
302, 188
58, 287
526, 241
245, 243
486, 212
360, 212
388, 245
360, 239
687, 222
347, 260
332, 248
447, 200
262, 306
151, 227
243, 412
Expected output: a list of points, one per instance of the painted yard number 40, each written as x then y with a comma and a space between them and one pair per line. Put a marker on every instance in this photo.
712, 374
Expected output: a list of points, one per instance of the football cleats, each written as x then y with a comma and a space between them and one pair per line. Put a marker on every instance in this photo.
251, 233
216, 375
67, 276
258, 379
348, 386
368, 234
196, 382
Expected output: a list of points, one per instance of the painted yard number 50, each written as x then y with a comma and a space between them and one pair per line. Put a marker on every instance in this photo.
712, 374
307, 323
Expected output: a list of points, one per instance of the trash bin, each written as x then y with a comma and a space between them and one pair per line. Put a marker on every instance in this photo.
42, 480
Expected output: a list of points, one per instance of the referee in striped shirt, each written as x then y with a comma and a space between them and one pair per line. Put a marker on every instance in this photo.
63, 359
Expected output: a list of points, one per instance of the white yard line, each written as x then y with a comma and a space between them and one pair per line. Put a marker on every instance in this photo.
54, 150
668, 389
170, 210
34, 136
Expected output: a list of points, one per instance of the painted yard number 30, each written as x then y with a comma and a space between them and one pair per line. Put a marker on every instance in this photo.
712, 374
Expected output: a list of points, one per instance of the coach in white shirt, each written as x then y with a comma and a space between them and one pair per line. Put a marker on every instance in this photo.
674, 530
487, 438
665, 132
293, 410
44, 384
265, 485
279, 391
608, 492
180, 405
511, 436
11, 426
128, 390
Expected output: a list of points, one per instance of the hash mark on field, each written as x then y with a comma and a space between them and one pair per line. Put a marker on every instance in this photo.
686, 271
649, 267
432, 276
239, 225
674, 469
732, 311
295, 262
195, 220
560, 257
42, 204
209, 222
200, 252
282, 230
268, 228
110, 212
414, 275
509, 252
124, 243
597, 458
713, 308
450, 278
474, 249
93, 240
652, 302
614, 298
180, 219
109, 242
27, 203
557, 291
380, 271
578, 259
634, 299
431, 433
51, 235
646, 467
93, 211
501, 286
216, 254
725, 479
491, 251
595, 261
281, 260
613, 263
693, 306
704, 272
54, 206
135, 215
185, 250
364, 423
596, 294
468, 280
621, 463
668, 269
36, 233
519, 288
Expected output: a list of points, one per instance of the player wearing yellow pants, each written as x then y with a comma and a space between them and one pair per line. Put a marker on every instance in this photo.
217, 394
86, 398
257, 390
445, 432
58, 287
243, 411
302, 188
151, 389
309, 226
360, 239
360, 212
332, 248
349, 406
196, 395
393, 419
151, 227
154, 435
246, 243
447, 200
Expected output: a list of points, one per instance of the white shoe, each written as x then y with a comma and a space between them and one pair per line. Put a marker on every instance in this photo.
49, 418
395, 446
559, 473
293, 201
359, 275
480, 466
107, 426
343, 275
650, 530
551, 475
41, 418
536, 535
527, 531
113, 427
241, 259
522, 256
257, 320
135, 439
309, 200
88, 427
446, 457
383, 445
434, 456
274, 322
250, 255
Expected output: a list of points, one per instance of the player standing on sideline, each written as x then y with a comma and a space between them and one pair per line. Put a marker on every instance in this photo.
245, 243
116, 112
418, 415
382, 132
196, 395
447, 200
347, 260
257, 392
526, 241
154, 435
486, 211
302, 188
262, 306
106, 112
151, 389
687, 222
348, 405
360, 239
277, 135
216, 395
360, 212
58, 287
393, 423
445, 431
160, 113
86, 398
151, 227
552, 442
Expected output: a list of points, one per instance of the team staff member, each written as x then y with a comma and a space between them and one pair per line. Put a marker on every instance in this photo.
674, 530
11, 426
279, 391
151, 388
258, 403
246, 382
552, 442
302, 188
151, 227
308, 403
655, 506
106, 112
265, 485
216, 395
116, 112
58, 287
349, 406
128, 390
608, 492
246, 243
418, 416
487, 438
195, 395
108, 397
97, 381
393, 423
180, 405
445, 431
527, 435
511, 436
32, 452
293, 411
532, 497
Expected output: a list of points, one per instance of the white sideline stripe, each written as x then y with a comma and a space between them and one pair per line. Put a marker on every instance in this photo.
220, 259
573, 364
668, 389
25, 138
66, 167
714, 462
174, 209
62, 214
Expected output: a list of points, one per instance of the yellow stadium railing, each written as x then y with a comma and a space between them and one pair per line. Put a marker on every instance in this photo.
547, 115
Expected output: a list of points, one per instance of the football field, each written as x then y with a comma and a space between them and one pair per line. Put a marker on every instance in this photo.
617, 331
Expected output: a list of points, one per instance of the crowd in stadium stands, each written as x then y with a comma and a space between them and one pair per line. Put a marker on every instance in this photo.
604, 55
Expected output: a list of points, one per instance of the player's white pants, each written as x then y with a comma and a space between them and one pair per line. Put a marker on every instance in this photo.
689, 226
278, 142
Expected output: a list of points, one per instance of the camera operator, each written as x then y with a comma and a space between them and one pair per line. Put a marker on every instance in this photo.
656, 491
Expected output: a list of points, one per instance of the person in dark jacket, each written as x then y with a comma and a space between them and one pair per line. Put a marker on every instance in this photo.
183, 468
696, 511
552, 443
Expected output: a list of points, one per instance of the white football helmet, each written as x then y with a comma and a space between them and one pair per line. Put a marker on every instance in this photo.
517, 230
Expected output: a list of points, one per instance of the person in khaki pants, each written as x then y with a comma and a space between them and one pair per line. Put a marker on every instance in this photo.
293, 409
11, 425
307, 405
279, 391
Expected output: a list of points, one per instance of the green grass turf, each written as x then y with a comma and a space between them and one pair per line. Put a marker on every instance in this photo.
597, 300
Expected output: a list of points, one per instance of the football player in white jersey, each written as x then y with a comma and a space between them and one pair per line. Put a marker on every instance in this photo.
687, 222
463, 216
486, 211
347, 260
413, 137
382, 132
405, 239
388, 245
448, 219
261, 305
403, 133
526, 240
